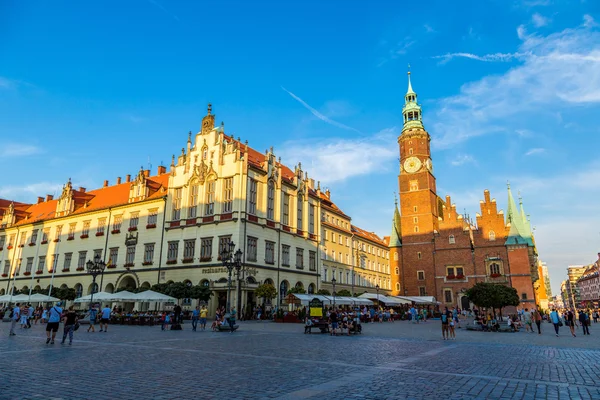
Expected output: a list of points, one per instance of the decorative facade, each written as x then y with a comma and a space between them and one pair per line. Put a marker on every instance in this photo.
436, 251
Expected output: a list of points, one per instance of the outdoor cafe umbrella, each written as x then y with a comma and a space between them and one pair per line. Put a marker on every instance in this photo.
100, 296
150, 295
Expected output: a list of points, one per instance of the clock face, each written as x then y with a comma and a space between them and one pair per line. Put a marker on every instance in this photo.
412, 165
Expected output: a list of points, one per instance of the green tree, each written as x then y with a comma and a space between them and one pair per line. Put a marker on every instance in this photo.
324, 292
160, 288
266, 291
343, 293
297, 290
493, 295
202, 293
65, 294
179, 290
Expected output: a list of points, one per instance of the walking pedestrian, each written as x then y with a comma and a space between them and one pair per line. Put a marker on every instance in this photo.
44, 315
451, 329
595, 316
70, 320
203, 314
232, 315
30, 315
24, 316
537, 317
528, 321
584, 320
93, 314
555, 320
15, 316
54, 318
105, 318
195, 316
571, 322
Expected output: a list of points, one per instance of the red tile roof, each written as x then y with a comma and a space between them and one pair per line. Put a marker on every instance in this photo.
367, 235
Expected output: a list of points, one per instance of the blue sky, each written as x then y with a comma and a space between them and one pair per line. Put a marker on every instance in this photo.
510, 92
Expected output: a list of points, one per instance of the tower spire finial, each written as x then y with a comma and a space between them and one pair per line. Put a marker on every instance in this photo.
410, 89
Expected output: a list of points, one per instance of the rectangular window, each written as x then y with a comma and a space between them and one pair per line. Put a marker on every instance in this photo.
332, 237
113, 259
418, 255
414, 186
193, 206
101, 226
415, 208
67, 264
11, 240
117, 223
206, 249
448, 295
81, 260
450, 271
460, 271
130, 256
299, 225
98, 254
45, 234
228, 195
312, 260
134, 219
6, 267
23, 238
176, 212
54, 261
269, 252
189, 247
252, 196
285, 255
420, 275
252, 249
71, 234
210, 197
299, 258
347, 242
286, 209
324, 274
422, 291
152, 217
2, 241
415, 220
271, 200
451, 239
56, 238
29, 265
173, 250
41, 263
148, 253
311, 220
223, 244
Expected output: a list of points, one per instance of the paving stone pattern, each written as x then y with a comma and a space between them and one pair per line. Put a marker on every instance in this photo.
266, 360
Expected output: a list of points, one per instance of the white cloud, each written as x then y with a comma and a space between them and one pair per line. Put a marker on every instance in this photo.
335, 160
588, 21
537, 150
539, 20
555, 72
429, 29
318, 114
28, 193
502, 57
18, 150
521, 32
463, 159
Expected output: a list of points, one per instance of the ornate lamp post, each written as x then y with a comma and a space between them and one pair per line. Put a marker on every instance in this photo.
95, 268
231, 260
377, 289
333, 284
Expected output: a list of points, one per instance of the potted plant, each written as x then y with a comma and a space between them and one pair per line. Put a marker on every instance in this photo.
450, 277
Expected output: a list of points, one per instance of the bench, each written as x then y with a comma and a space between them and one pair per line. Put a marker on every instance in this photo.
227, 328
323, 326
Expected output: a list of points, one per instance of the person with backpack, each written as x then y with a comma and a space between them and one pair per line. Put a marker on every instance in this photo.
53, 322
15, 315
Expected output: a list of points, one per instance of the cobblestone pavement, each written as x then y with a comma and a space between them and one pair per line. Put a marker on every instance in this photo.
267, 360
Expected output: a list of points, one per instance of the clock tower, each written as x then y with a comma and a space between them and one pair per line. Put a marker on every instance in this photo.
418, 201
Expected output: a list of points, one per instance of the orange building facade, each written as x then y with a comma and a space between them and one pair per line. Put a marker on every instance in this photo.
435, 251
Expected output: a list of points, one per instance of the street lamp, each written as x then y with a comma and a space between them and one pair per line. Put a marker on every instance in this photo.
231, 260
95, 268
377, 289
333, 284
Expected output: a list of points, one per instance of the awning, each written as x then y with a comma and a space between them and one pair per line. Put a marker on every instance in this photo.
150, 295
306, 298
100, 296
419, 299
388, 301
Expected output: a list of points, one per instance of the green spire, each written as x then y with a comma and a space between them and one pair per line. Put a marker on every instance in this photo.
519, 233
411, 111
526, 223
395, 237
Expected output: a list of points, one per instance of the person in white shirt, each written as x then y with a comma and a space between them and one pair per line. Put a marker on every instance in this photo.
15, 319
53, 321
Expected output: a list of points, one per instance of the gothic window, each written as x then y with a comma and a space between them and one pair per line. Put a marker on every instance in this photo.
192, 208
494, 269
286, 209
299, 225
228, 195
210, 197
271, 200
176, 204
418, 255
492, 235
397, 286
252, 196
451, 239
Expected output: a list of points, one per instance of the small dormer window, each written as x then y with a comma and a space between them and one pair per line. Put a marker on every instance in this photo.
451, 239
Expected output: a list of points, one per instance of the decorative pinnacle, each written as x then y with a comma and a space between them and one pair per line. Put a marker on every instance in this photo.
209, 108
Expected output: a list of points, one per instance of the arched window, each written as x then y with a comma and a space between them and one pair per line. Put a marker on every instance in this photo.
416, 229
492, 235
397, 270
451, 239
283, 288
205, 283
311, 288
410, 151
397, 286
271, 200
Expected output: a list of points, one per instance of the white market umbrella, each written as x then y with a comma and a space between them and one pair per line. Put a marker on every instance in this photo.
42, 298
123, 296
151, 295
100, 296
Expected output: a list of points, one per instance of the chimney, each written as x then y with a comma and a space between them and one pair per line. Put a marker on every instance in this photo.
146, 173
118, 180
40, 200
49, 197
162, 169
127, 178
105, 183
328, 194
81, 189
